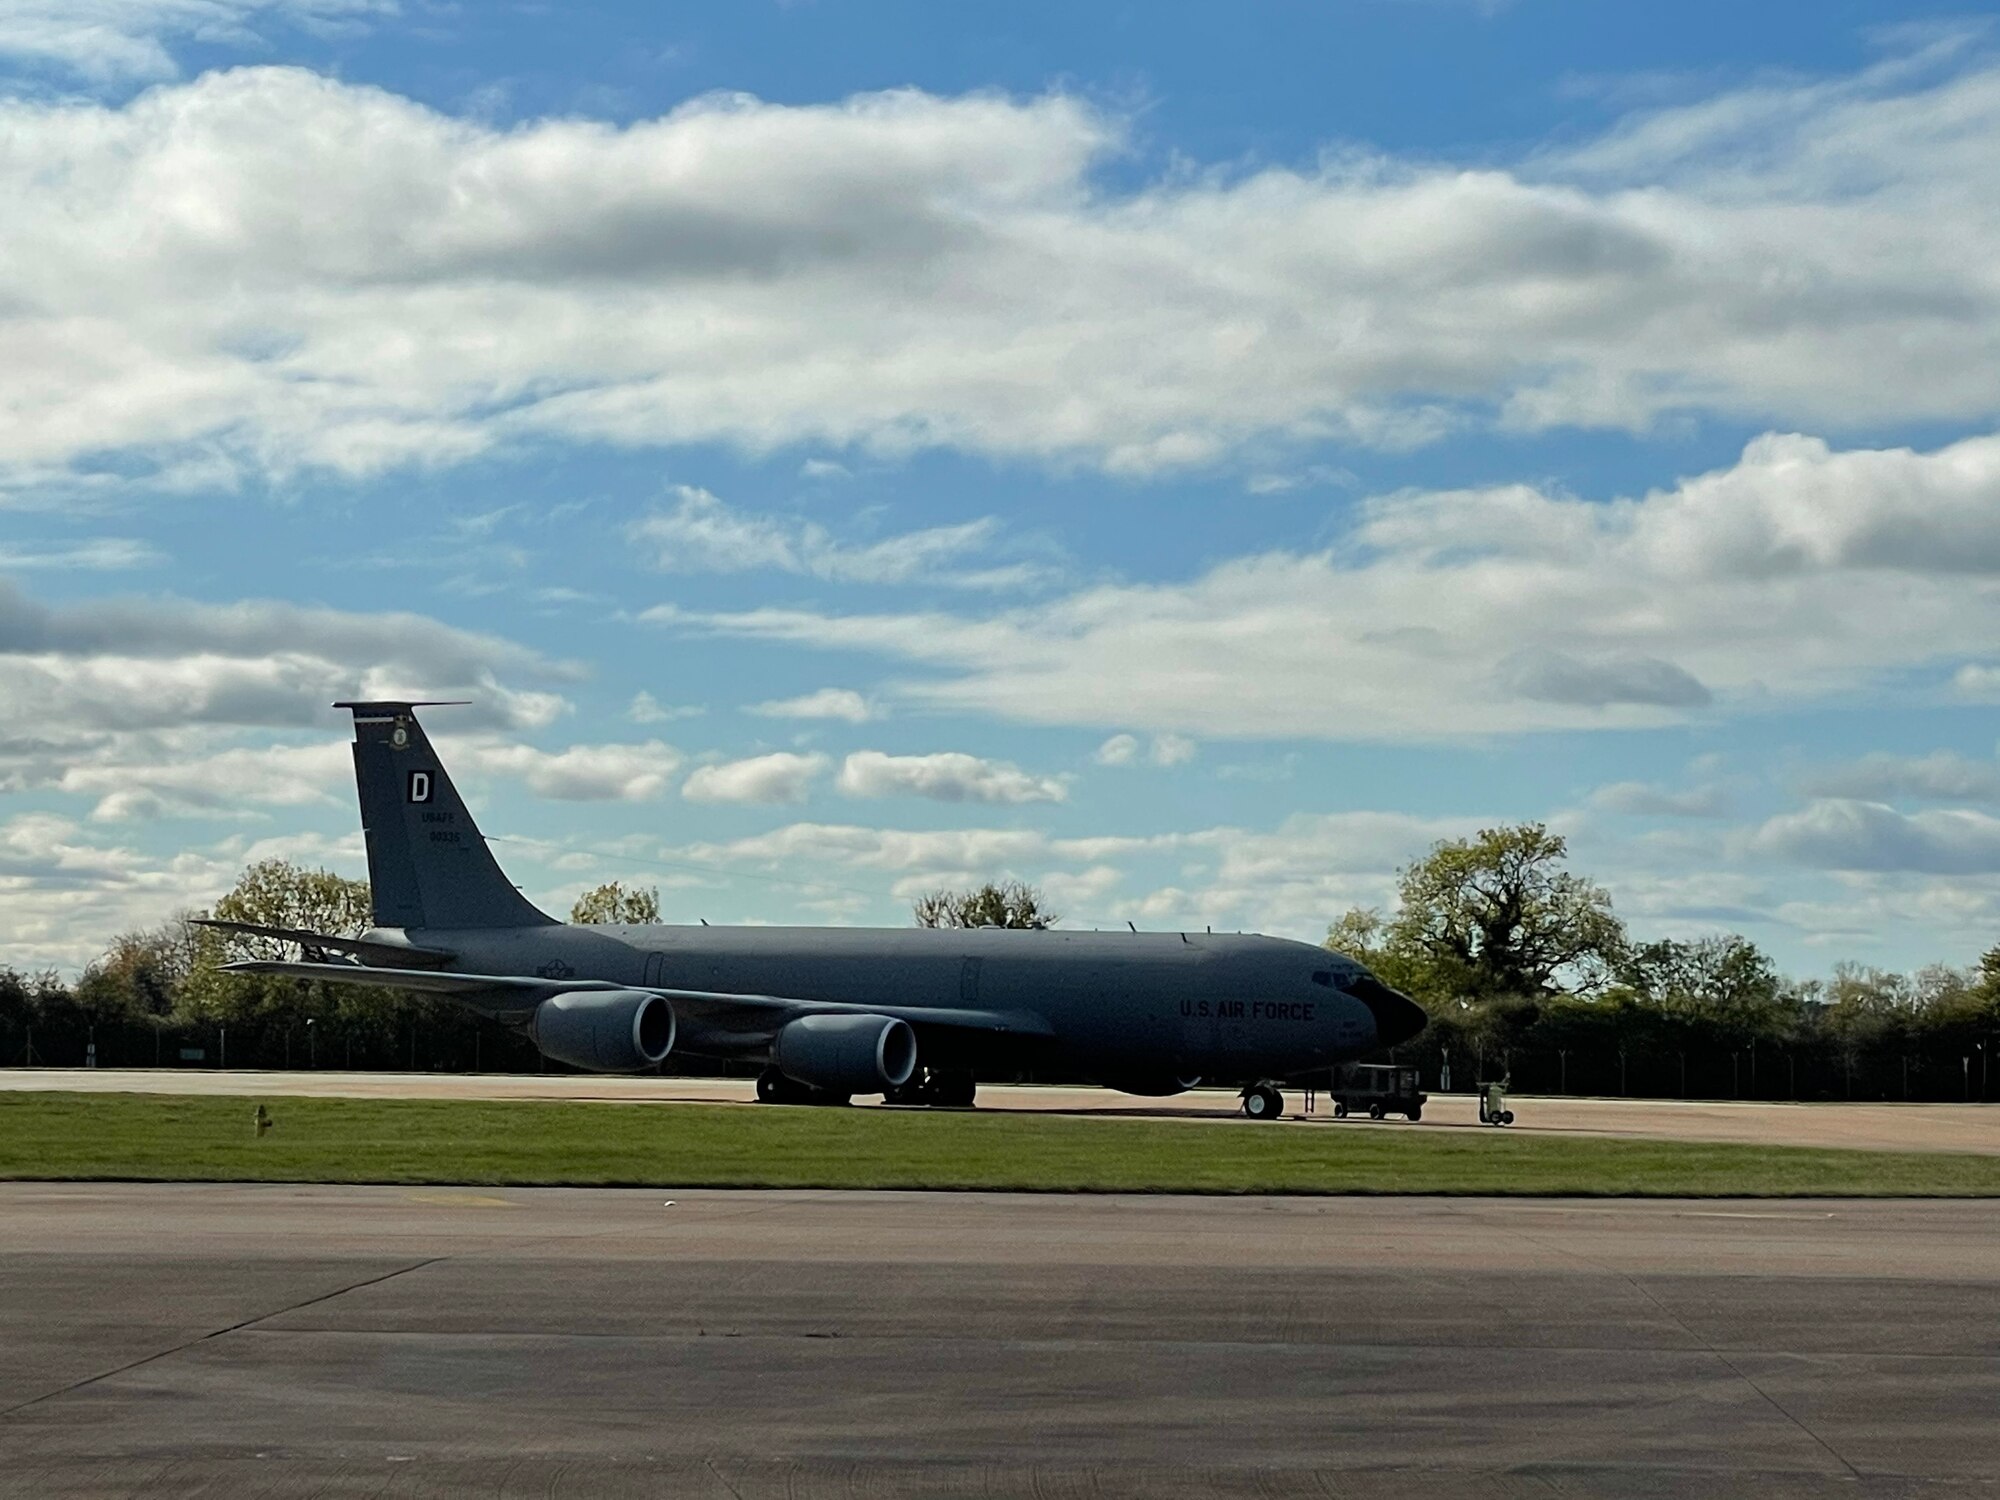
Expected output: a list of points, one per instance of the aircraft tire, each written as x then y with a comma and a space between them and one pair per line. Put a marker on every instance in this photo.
1264, 1103
1416, 1114
774, 1087
1340, 1111
1375, 1111
954, 1089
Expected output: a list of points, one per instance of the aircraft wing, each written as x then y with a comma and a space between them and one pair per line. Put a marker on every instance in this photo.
731, 1011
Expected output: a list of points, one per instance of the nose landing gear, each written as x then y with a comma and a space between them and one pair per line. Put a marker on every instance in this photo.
1262, 1101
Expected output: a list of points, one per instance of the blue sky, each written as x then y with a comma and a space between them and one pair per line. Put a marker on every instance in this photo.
1188, 456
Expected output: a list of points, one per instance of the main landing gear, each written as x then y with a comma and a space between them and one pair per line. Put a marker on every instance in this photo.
774, 1087
947, 1088
1262, 1101
943, 1088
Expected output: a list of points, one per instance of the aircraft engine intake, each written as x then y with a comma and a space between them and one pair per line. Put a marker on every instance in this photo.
846, 1054
606, 1031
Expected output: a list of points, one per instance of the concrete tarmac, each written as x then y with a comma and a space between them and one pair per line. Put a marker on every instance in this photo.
328, 1341
1871, 1127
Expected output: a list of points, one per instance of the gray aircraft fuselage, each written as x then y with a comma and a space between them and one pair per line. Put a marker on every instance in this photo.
1149, 1012
1140, 1011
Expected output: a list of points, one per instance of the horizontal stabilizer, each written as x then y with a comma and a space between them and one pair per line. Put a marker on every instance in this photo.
368, 950
388, 708
746, 1011
429, 981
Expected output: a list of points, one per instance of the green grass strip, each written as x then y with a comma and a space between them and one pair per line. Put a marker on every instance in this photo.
137, 1137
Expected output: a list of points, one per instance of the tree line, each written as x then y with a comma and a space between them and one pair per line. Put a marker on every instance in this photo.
1527, 973
1523, 965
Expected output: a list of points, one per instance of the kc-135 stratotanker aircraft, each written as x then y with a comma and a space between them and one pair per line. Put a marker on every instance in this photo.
915, 1014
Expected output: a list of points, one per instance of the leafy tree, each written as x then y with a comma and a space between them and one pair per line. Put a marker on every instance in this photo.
612, 903
1010, 904
278, 893
1725, 981
1358, 932
1498, 916
1986, 976
142, 975
26, 1001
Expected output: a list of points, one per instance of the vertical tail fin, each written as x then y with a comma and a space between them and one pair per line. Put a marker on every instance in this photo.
428, 864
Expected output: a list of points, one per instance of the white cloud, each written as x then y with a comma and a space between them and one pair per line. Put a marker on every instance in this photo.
97, 554
1644, 800
153, 707
947, 776
268, 270
1797, 573
1119, 750
702, 535
1166, 750
780, 777
1844, 834
108, 39
1977, 681
1557, 677
579, 773
198, 772
929, 857
646, 709
128, 663
827, 703
66, 895
226, 783
1939, 777
1311, 476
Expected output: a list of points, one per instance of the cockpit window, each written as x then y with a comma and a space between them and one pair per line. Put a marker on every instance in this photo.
1323, 977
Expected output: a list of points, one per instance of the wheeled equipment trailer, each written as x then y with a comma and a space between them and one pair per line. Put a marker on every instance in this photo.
1379, 1089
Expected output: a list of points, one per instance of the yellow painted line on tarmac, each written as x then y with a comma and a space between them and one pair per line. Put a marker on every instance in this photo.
461, 1200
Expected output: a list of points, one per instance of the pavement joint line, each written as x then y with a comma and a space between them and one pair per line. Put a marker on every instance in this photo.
216, 1333
1055, 1340
1727, 1363
709, 1464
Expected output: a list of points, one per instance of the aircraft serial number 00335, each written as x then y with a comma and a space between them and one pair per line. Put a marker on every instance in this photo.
915, 1014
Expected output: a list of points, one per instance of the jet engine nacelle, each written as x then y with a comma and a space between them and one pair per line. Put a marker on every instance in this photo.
606, 1031
846, 1054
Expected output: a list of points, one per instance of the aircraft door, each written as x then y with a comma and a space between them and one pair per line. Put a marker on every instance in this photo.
968, 983
656, 968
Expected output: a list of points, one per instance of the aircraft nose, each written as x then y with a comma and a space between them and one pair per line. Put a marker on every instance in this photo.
1397, 1016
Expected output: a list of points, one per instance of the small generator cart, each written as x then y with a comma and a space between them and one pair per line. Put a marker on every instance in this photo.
1493, 1108
1378, 1089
